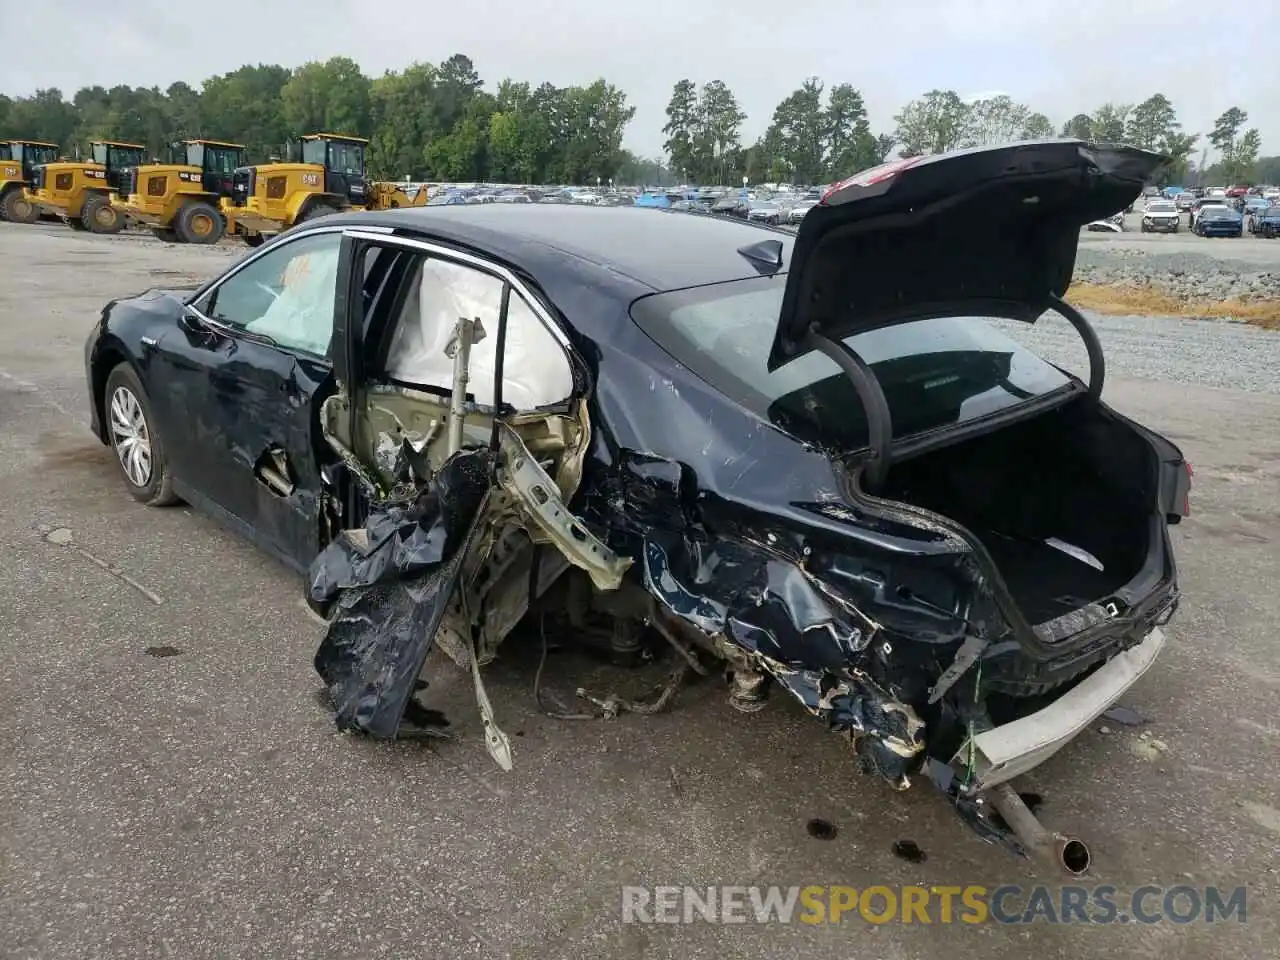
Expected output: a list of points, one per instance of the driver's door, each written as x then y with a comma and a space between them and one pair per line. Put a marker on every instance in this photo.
247, 363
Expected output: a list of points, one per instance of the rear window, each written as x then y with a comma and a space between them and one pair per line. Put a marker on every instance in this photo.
935, 373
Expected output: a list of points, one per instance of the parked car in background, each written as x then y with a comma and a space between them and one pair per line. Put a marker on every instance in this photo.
766, 211
1206, 201
1254, 204
731, 205
1266, 223
1239, 190
800, 208
1111, 224
1185, 200
1161, 216
1218, 221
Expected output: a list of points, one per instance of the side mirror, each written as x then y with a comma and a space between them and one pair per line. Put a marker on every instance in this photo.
190, 321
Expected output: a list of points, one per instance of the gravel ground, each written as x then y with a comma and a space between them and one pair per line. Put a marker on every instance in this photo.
1182, 264
1211, 353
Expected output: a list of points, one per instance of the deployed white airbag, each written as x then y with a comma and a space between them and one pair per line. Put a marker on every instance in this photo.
301, 316
536, 370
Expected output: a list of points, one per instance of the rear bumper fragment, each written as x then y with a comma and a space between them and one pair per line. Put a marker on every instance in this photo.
1010, 750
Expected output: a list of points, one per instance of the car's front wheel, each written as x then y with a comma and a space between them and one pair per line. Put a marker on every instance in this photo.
132, 434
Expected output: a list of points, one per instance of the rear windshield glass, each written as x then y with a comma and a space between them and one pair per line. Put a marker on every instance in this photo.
934, 372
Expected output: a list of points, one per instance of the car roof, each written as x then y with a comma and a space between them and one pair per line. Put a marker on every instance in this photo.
652, 248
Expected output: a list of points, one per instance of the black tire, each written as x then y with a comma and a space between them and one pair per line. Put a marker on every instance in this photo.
152, 480
99, 216
168, 236
199, 222
253, 239
17, 209
75, 224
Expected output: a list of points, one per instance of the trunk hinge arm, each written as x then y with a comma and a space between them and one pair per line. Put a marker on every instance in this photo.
1092, 345
879, 422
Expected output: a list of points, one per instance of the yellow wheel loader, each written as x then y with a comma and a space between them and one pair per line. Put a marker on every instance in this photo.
323, 174
81, 191
387, 195
19, 160
180, 201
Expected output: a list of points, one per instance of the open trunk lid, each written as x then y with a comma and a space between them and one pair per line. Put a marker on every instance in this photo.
985, 232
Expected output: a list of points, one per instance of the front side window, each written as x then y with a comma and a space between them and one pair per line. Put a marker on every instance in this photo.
286, 295
536, 370
313, 152
346, 158
99, 151
223, 160
934, 372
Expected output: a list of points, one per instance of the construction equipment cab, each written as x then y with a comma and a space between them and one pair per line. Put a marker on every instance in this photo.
81, 191
180, 200
19, 160
322, 174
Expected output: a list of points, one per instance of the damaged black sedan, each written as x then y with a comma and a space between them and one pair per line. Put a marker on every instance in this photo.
812, 458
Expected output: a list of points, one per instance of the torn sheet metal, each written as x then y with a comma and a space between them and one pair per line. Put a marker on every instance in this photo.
393, 580
796, 629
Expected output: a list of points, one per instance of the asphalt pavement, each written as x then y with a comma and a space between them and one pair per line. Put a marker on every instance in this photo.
170, 787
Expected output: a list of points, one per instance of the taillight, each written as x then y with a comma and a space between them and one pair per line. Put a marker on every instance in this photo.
1186, 497
871, 176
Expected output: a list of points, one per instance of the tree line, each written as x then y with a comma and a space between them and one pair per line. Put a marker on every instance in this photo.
438, 122
424, 122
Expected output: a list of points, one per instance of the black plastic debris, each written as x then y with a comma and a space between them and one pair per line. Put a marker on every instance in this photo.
401, 539
393, 581
1125, 716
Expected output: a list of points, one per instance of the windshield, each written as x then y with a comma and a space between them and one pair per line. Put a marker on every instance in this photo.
1162, 207
934, 372
1216, 213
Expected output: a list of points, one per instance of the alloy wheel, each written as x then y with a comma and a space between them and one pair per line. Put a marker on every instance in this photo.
130, 436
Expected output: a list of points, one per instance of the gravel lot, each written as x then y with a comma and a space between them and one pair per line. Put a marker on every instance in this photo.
1182, 264
199, 804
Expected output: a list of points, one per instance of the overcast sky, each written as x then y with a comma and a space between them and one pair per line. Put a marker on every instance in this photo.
1060, 57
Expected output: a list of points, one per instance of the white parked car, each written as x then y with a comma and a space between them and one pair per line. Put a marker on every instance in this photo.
1161, 216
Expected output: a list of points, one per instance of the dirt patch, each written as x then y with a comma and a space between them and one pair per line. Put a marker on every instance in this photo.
58, 450
1126, 300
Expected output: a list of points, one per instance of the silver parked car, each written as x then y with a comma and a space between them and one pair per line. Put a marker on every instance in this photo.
797, 212
766, 211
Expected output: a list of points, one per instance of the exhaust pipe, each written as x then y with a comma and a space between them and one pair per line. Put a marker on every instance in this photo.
1065, 853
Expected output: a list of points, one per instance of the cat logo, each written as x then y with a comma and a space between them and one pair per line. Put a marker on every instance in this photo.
311, 179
